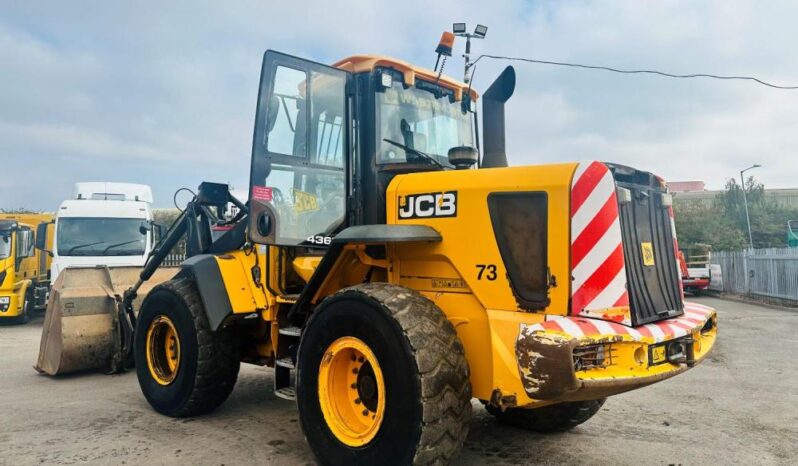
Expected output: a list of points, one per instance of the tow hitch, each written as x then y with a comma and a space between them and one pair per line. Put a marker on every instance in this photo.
679, 351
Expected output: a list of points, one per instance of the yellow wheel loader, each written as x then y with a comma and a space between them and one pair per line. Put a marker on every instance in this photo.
389, 274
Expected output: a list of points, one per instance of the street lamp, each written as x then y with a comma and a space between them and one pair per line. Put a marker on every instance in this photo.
745, 202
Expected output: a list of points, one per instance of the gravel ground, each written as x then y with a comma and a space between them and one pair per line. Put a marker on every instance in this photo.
739, 406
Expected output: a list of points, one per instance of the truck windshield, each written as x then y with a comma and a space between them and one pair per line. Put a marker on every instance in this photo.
79, 236
417, 119
5, 244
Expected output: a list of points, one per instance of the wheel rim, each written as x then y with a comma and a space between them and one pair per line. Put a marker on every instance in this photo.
163, 350
351, 391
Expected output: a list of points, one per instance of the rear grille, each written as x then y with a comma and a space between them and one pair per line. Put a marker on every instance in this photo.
654, 290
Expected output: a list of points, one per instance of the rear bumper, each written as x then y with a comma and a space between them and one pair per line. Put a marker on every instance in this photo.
695, 283
574, 358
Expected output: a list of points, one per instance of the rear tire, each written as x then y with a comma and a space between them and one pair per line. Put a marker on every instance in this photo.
420, 361
552, 418
208, 362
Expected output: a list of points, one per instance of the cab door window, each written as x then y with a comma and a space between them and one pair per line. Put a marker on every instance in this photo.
298, 185
24, 243
286, 134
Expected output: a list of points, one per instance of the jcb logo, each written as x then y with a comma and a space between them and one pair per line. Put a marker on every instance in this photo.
428, 205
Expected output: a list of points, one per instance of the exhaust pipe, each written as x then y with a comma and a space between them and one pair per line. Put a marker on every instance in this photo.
493, 118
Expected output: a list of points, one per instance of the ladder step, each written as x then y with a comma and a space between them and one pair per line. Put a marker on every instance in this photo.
288, 298
284, 362
286, 393
290, 331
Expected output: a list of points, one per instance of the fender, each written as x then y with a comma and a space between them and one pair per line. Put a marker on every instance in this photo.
204, 270
360, 234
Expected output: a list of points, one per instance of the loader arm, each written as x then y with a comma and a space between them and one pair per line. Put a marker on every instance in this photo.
90, 318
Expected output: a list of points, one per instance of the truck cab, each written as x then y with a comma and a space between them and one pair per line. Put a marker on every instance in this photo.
24, 274
103, 224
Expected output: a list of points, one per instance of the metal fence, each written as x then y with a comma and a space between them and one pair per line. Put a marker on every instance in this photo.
765, 272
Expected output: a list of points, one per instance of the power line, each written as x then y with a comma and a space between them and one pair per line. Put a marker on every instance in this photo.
616, 70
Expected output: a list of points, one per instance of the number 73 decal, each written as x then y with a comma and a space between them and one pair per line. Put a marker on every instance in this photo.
486, 272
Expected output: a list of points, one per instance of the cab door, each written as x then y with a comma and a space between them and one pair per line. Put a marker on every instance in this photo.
299, 180
24, 254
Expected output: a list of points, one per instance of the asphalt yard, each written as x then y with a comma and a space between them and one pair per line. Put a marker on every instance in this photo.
740, 406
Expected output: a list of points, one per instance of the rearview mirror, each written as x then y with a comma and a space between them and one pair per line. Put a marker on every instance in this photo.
41, 236
145, 228
159, 229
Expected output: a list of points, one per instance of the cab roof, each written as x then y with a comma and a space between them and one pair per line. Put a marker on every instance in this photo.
367, 63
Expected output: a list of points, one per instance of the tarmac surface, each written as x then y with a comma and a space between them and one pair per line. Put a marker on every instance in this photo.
740, 406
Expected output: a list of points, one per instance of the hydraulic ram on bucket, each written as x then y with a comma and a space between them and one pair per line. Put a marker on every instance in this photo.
91, 312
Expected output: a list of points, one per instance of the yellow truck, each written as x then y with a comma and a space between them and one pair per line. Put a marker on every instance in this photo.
25, 242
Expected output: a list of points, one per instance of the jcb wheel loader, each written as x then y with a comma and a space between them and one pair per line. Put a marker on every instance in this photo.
389, 281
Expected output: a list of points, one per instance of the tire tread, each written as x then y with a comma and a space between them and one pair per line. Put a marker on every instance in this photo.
442, 369
218, 363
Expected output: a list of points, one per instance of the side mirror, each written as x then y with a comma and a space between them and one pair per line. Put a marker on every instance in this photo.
159, 229
41, 237
145, 228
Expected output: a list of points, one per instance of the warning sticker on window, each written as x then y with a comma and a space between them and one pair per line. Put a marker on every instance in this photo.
262, 193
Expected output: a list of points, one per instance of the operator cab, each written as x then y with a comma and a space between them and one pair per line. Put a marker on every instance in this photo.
326, 136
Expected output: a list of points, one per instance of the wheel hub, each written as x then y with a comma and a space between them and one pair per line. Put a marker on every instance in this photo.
163, 350
351, 391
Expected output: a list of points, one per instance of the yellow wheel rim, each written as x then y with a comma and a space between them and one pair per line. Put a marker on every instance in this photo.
351, 391
163, 350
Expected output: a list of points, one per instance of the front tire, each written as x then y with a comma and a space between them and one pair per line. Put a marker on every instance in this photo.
184, 369
552, 418
415, 399
26, 308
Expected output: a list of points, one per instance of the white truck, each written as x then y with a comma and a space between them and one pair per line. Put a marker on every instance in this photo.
103, 224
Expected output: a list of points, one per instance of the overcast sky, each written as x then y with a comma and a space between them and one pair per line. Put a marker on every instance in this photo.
164, 92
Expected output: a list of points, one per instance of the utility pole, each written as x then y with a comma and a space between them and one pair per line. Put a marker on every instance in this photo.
745, 202
748, 221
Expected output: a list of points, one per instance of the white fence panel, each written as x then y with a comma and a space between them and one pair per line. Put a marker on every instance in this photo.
765, 272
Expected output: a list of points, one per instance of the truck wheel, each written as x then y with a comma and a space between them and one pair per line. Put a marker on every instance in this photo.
382, 379
26, 308
23, 317
552, 418
184, 369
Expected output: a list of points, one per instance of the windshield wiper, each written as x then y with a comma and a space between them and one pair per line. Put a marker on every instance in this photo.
414, 151
119, 244
82, 246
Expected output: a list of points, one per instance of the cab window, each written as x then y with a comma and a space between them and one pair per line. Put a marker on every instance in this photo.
24, 243
301, 179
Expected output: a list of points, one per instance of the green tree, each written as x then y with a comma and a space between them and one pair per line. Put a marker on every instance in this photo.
723, 224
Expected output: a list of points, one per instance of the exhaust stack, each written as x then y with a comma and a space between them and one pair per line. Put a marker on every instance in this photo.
493, 118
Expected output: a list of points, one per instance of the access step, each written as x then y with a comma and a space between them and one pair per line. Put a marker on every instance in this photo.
290, 331
284, 362
286, 393
288, 298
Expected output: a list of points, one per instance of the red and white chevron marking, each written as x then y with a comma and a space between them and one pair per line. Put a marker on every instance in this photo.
694, 317
597, 263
